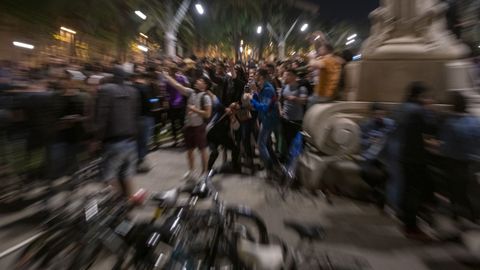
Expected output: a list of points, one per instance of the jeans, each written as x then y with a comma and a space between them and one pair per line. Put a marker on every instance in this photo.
289, 131
120, 160
265, 144
146, 131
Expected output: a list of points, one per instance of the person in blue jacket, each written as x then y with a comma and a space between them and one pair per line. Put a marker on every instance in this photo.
265, 103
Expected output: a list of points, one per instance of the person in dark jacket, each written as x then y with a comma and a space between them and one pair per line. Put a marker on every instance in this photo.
220, 132
117, 117
414, 122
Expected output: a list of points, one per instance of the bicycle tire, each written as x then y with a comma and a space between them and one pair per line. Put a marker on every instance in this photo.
33, 253
58, 247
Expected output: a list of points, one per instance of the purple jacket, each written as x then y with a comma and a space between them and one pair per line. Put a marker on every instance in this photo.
176, 99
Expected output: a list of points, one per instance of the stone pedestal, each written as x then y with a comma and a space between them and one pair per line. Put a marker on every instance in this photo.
387, 80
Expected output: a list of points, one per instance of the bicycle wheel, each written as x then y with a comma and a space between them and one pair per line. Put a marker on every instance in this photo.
33, 254
62, 251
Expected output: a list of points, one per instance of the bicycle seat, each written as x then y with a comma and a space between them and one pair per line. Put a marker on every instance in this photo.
308, 231
166, 198
258, 256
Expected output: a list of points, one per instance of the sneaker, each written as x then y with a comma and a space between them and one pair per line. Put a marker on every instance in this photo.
188, 175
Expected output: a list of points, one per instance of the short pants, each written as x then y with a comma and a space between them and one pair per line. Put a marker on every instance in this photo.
196, 137
120, 160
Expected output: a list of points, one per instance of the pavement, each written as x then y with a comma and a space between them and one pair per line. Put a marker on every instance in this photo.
352, 228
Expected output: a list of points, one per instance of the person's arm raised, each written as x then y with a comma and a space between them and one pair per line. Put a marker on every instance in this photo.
316, 64
180, 88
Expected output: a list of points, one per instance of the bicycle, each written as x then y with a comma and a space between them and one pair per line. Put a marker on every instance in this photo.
67, 224
224, 240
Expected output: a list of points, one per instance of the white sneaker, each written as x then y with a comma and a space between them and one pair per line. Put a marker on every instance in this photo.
188, 175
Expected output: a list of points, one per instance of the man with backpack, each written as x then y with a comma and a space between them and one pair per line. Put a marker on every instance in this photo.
199, 110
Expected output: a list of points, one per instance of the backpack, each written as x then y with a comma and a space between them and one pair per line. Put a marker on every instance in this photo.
202, 106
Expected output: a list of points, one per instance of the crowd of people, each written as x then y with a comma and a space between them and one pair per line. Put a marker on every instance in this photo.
219, 104
64, 114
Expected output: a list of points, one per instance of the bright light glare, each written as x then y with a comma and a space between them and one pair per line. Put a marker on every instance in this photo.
357, 57
23, 45
200, 9
352, 37
241, 49
317, 37
142, 48
140, 14
304, 27
143, 35
68, 30
350, 42
241, 42
259, 29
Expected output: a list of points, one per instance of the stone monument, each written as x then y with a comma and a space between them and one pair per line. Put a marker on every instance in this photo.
409, 41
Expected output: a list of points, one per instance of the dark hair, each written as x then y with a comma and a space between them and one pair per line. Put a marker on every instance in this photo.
119, 75
347, 55
207, 81
292, 71
270, 66
459, 102
263, 73
328, 47
415, 90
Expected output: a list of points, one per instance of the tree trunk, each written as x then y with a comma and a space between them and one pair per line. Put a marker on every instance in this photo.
170, 43
281, 50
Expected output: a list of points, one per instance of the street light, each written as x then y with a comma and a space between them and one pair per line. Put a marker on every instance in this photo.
304, 27
200, 9
142, 48
350, 42
140, 14
68, 30
352, 37
23, 45
259, 29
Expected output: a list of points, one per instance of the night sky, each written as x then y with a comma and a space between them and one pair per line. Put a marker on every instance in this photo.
350, 10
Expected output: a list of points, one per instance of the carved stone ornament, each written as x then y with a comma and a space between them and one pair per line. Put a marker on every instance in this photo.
411, 29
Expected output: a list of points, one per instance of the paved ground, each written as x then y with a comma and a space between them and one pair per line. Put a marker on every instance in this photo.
352, 227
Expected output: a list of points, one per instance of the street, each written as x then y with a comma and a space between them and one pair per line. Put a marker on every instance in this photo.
352, 228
